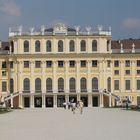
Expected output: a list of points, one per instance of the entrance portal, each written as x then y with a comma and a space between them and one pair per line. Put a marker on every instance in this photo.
95, 101
49, 101
73, 98
85, 100
60, 100
38, 101
26, 102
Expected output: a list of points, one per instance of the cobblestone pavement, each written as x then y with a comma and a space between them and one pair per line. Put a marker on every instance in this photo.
60, 124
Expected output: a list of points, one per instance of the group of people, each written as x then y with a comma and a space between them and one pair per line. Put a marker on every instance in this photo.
73, 105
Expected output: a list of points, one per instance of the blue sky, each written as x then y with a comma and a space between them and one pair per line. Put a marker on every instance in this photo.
122, 15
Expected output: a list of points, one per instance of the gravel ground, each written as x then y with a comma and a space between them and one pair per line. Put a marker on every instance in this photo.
60, 124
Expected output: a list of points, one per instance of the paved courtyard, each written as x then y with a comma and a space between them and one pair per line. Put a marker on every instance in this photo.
60, 124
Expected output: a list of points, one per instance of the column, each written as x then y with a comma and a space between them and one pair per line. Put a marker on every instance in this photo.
101, 99
100, 75
110, 100
77, 76
43, 100
43, 77
105, 74
54, 77
55, 100
133, 76
89, 100
66, 76
32, 99
20, 99
122, 76
20, 82
89, 81
32, 80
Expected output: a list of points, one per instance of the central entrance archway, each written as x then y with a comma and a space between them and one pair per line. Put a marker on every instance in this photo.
38, 101
49, 101
26, 102
60, 100
95, 101
85, 100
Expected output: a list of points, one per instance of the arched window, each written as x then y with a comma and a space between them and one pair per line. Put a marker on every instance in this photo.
60, 46
83, 45
49, 85
83, 85
72, 85
26, 84
71, 46
48, 46
11, 85
12, 46
37, 46
38, 85
60, 85
109, 84
94, 84
108, 44
94, 45
26, 46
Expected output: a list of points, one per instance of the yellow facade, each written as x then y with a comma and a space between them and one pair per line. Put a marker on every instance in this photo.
89, 64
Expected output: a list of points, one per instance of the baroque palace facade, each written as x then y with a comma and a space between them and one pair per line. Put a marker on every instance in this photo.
50, 66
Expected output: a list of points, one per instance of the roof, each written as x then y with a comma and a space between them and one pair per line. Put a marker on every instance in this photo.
127, 43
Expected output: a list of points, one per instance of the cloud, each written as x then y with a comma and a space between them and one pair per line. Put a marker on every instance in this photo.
10, 8
131, 23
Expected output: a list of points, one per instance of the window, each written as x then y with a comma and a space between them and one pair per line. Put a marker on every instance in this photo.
94, 84
48, 46
37, 64
60, 64
138, 63
127, 84
127, 72
72, 85
48, 64
11, 64
108, 45
49, 85
116, 63
71, 46
60, 46
83, 45
3, 73
109, 84
26, 64
94, 45
116, 84
26, 84
83, 63
37, 46
138, 84
60, 85
72, 63
138, 72
94, 63
26, 46
108, 63
127, 63
83, 85
38, 85
4, 86
116, 72
12, 46
4, 65
11, 85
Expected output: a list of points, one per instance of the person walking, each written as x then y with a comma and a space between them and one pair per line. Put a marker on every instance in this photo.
81, 105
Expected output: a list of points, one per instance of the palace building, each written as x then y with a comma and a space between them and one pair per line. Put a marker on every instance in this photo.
49, 66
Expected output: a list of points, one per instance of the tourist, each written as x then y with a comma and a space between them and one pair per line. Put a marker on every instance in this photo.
81, 105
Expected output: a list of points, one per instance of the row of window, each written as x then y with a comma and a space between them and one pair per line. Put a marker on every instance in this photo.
72, 85
60, 46
127, 72
71, 63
